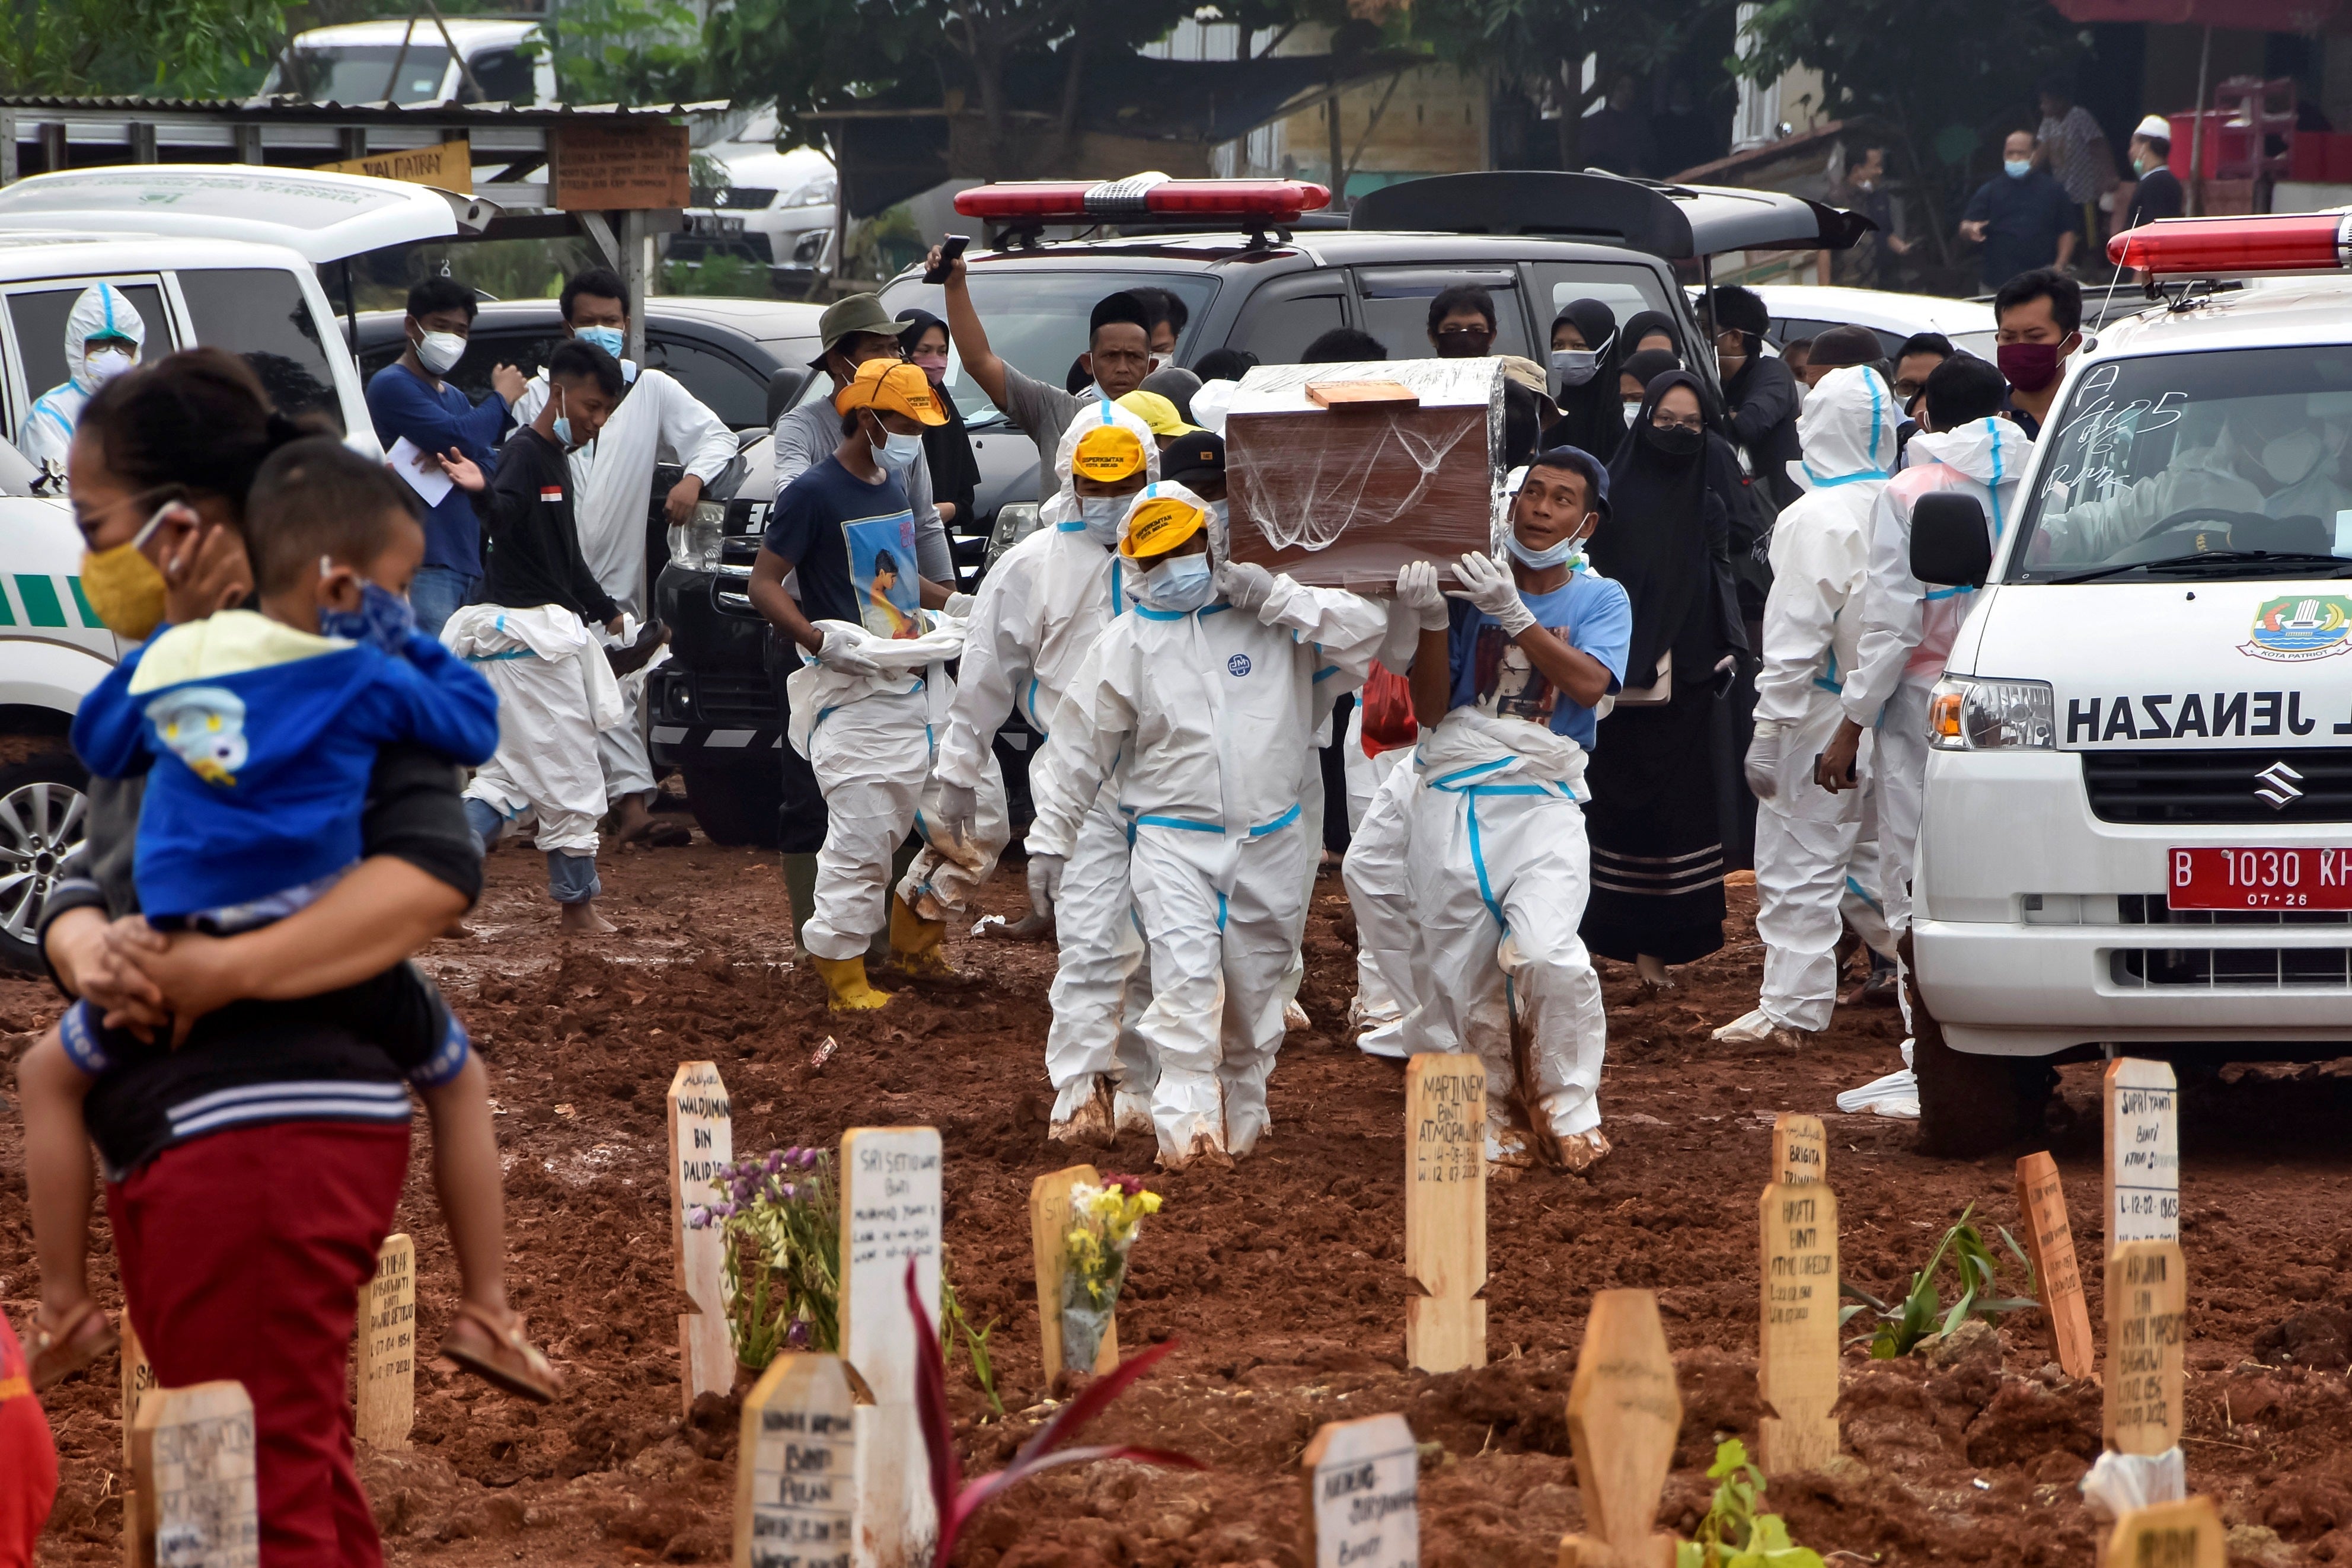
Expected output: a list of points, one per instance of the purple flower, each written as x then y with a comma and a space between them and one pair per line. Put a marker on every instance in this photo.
775, 1161
697, 1218
809, 1158
796, 1335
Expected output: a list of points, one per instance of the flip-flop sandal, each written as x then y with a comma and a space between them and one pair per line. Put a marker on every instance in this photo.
510, 1361
55, 1353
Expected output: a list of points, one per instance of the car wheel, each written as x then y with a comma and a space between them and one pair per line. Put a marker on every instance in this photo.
43, 811
736, 806
1968, 1105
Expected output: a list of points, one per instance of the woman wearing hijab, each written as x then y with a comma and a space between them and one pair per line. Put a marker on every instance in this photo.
1657, 817
955, 472
1584, 379
1649, 330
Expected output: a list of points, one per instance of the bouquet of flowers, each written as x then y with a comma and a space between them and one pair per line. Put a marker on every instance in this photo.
782, 1225
1103, 1224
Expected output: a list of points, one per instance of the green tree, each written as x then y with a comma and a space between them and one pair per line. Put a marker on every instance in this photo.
199, 48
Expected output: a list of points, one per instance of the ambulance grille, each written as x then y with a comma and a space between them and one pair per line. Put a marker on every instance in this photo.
2149, 909
2217, 786
2233, 968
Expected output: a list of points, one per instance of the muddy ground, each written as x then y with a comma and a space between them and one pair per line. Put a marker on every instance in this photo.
1282, 1280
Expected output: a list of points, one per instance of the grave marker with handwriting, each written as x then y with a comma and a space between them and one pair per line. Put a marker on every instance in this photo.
2147, 1328
1623, 1415
1801, 1149
1796, 1362
2143, 1144
2050, 1243
1049, 1232
1363, 1485
795, 1467
191, 1452
387, 1371
701, 1140
1445, 1212
889, 1213
2187, 1534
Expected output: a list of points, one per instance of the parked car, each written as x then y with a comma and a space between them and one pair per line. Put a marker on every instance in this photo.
1801, 312
776, 208
409, 62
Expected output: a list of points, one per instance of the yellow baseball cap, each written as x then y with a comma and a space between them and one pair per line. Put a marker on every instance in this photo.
892, 386
1157, 412
1157, 523
1109, 451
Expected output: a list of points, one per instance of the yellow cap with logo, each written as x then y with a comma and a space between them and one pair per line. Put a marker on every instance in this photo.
1108, 451
1157, 524
894, 387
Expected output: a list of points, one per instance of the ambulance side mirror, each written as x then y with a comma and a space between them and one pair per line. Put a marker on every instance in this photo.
1951, 546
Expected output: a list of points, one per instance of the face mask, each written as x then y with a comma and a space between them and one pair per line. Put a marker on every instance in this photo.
935, 367
1181, 583
1102, 516
608, 339
382, 619
1633, 410
1574, 367
898, 451
563, 426
439, 352
2291, 459
1679, 444
1560, 554
106, 364
2029, 367
124, 587
2017, 168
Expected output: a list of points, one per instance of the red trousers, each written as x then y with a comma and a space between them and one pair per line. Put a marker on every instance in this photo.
28, 1460
243, 1255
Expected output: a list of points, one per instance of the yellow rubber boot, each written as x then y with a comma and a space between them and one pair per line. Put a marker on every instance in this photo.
845, 984
915, 945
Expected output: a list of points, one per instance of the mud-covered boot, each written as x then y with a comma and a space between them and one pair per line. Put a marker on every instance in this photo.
846, 990
915, 949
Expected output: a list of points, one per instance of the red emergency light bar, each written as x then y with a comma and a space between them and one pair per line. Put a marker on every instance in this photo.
2210, 247
1151, 195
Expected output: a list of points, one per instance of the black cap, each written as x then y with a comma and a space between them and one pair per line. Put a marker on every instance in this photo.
1202, 452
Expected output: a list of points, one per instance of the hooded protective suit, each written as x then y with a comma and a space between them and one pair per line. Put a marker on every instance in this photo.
102, 311
1209, 713
1907, 628
1379, 888
1805, 836
1038, 613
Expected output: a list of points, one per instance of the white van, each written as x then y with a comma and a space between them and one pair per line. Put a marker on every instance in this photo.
407, 61
2137, 826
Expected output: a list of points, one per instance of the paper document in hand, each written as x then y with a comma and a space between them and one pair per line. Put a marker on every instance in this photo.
419, 471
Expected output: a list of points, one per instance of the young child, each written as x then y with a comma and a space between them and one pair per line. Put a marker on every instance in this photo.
259, 730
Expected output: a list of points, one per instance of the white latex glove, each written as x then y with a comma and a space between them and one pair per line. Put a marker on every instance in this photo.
958, 605
1246, 586
958, 808
1045, 881
1763, 766
1487, 584
842, 651
1416, 589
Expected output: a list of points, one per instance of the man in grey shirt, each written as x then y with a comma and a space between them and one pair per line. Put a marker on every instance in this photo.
853, 331
1119, 356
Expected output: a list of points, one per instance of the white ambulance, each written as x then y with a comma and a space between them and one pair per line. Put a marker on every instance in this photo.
2137, 827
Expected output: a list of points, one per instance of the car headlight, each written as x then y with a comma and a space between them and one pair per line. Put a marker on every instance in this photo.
695, 544
1965, 713
815, 194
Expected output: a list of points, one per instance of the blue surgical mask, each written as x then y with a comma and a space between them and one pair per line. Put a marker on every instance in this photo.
382, 619
1181, 583
608, 339
2017, 168
1102, 515
898, 451
564, 427
1561, 554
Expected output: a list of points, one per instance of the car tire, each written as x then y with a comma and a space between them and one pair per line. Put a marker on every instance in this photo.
736, 806
1968, 1105
43, 811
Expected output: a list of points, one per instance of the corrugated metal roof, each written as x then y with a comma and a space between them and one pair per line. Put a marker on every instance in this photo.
452, 115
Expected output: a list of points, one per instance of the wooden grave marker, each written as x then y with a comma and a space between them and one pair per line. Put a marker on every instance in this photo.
192, 1453
2148, 1329
2143, 1145
701, 1140
1801, 1149
795, 1467
1049, 1230
2050, 1244
138, 1381
1362, 1480
889, 1213
2187, 1534
387, 1371
1445, 1212
1623, 1415
1797, 1360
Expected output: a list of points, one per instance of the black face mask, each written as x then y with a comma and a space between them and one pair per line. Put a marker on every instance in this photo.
1676, 444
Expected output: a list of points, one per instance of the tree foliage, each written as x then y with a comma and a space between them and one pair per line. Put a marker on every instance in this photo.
199, 48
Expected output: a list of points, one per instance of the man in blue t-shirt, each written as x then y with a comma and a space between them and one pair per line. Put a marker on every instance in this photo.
1507, 681
408, 400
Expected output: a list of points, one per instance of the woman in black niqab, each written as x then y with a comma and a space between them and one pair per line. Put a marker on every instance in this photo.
1589, 416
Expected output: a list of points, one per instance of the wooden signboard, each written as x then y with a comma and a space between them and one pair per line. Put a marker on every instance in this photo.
701, 1140
2142, 1126
2148, 1329
387, 1372
1362, 1482
445, 166
1797, 1364
192, 1453
795, 1467
1623, 1415
2050, 1243
2169, 1536
633, 165
1801, 1149
1445, 1212
1049, 1230
889, 1213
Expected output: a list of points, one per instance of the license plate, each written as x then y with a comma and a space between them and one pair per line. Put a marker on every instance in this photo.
712, 224
2260, 879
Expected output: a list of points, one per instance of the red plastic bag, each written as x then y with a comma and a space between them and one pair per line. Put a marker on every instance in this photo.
1387, 701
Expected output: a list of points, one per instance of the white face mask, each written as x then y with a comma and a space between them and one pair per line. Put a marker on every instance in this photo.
440, 351
1632, 411
106, 364
1181, 583
898, 451
1102, 515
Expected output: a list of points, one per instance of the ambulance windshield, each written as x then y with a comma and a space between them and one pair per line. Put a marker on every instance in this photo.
2220, 464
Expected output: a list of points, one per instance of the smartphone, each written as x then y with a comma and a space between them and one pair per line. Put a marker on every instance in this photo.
1849, 768
950, 249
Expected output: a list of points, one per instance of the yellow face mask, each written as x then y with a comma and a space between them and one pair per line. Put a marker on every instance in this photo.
123, 586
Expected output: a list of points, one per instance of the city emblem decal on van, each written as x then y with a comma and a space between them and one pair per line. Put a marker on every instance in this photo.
2291, 630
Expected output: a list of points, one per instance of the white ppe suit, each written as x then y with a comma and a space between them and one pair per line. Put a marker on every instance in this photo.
556, 695
1379, 890
1806, 836
102, 311
1211, 711
1036, 616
